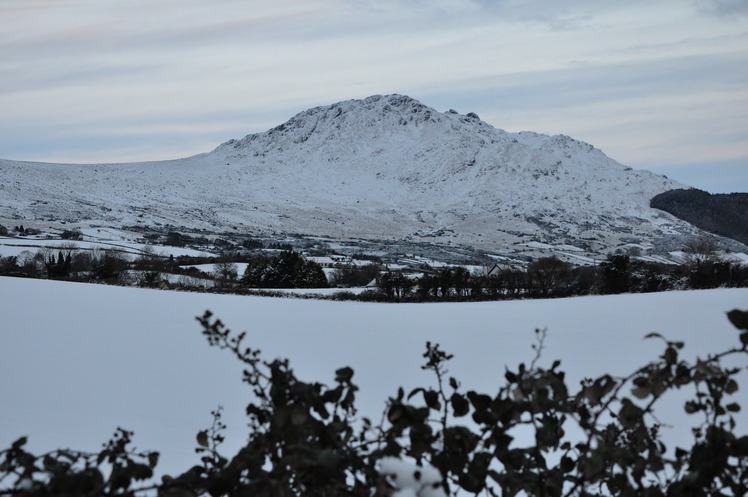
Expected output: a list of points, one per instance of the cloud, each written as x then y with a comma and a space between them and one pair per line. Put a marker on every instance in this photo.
723, 8
656, 75
712, 176
550, 14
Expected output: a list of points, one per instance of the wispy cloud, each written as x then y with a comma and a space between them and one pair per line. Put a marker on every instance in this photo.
724, 8
627, 77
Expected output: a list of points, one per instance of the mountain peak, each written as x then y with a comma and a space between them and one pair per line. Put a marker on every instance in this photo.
386, 167
376, 111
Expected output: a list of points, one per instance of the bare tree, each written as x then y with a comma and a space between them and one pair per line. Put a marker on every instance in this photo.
225, 271
700, 251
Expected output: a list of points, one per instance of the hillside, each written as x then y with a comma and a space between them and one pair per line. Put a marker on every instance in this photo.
386, 168
722, 214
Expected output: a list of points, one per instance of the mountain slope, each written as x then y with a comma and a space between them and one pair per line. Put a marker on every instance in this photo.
722, 214
386, 167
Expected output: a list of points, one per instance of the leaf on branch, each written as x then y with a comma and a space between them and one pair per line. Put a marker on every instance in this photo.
738, 318
741, 446
202, 438
343, 375
641, 392
691, 407
415, 391
460, 405
567, 464
19, 443
731, 387
432, 399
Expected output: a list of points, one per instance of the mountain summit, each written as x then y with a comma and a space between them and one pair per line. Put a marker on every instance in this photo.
382, 168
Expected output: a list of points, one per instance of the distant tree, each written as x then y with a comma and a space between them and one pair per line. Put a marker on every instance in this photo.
108, 266
549, 275
651, 277
251, 243
9, 266
81, 262
355, 275
616, 274
460, 278
150, 279
287, 270
701, 255
494, 284
310, 275
149, 260
394, 285
477, 285
225, 271
444, 283
58, 267
71, 235
701, 250
175, 239
514, 282
425, 287
583, 281
32, 265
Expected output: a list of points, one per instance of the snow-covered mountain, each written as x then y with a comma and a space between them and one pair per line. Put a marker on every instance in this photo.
385, 168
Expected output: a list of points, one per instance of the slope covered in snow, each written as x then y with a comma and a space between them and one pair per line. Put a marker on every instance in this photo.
386, 168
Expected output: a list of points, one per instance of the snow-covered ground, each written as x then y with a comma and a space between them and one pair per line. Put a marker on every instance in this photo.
15, 246
77, 361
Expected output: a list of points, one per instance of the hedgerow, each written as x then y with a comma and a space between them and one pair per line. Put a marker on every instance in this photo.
533, 435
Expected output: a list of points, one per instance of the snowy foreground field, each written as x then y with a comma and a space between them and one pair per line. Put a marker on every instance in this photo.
78, 360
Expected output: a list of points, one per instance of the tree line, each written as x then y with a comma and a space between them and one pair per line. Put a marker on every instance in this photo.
722, 214
547, 277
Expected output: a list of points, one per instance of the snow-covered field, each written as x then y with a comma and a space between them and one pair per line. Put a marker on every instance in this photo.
15, 246
77, 361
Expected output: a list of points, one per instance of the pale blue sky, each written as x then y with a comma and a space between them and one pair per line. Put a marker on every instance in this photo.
661, 85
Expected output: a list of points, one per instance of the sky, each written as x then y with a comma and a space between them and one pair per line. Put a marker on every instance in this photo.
655, 85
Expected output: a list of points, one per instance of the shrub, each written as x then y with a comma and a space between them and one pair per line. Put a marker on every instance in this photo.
355, 276
71, 235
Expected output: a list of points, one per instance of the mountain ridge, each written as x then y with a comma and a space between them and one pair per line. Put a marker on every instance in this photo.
386, 167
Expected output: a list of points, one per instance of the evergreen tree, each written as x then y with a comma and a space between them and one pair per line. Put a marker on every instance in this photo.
287, 270
616, 274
